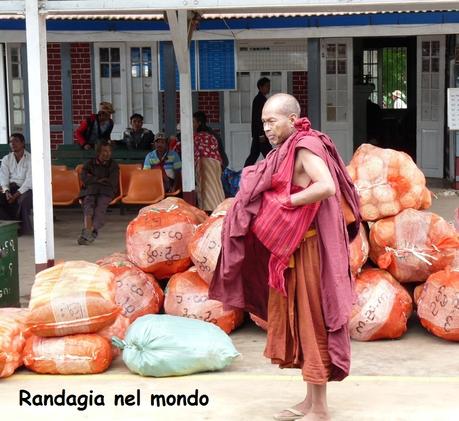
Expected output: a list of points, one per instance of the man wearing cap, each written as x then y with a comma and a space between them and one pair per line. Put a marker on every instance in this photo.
136, 136
96, 128
398, 101
168, 161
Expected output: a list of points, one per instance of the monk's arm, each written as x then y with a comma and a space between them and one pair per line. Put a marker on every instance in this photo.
322, 184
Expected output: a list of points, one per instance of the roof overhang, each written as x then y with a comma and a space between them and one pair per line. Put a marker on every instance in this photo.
129, 7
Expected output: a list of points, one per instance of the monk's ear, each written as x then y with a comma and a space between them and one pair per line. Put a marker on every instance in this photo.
292, 118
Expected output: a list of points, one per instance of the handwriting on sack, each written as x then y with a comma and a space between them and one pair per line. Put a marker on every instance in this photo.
6, 247
195, 299
370, 313
129, 303
161, 254
441, 301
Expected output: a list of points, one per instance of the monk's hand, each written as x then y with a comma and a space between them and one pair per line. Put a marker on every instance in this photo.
286, 200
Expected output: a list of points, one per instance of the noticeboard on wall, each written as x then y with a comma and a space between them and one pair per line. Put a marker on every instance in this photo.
177, 82
217, 65
453, 108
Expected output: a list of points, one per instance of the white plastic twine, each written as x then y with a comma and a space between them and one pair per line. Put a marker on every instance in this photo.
170, 208
421, 255
219, 213
372, 186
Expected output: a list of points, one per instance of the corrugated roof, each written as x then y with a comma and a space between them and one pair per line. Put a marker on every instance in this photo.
157, 16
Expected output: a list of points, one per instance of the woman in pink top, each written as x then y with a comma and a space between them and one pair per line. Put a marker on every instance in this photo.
208, 161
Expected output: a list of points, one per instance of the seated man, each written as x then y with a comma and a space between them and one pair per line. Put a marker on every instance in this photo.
168, 161
96, 127
100, 177
16, 184
136, 137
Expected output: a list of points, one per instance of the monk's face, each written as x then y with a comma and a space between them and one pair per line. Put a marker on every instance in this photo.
278, 125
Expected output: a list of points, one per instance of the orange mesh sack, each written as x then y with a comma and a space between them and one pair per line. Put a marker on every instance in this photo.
74, 354
114, 258
413, 245
205, 247
194, 213
118, 329
13, 333
382, 309
137, 292
259, 321
187, 296
73, 297
358, 251
157, 240
388, 181
438, 304
223, 207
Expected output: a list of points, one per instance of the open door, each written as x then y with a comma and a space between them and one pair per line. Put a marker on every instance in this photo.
336, 93
430, 104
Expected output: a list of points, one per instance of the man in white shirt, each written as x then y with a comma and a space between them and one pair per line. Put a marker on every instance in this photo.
16, 184
398, 101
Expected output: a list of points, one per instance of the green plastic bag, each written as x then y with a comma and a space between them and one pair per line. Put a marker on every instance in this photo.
162, 345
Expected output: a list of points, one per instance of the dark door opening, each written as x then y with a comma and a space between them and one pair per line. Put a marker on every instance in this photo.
385, 93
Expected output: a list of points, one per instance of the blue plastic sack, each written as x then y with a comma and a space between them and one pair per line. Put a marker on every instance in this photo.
162, 345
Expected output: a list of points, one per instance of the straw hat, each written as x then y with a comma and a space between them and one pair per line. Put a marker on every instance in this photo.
397, 93
106, 107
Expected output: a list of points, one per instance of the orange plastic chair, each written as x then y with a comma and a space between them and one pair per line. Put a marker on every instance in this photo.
126, 171
145, 188
78, 169
58, 168
66, 187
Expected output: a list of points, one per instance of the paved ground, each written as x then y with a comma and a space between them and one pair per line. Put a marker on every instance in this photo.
415, 378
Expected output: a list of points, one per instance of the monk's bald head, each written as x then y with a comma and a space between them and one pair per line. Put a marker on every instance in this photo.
279, 115
284, 104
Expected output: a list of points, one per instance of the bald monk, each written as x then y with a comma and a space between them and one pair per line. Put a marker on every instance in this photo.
285, 253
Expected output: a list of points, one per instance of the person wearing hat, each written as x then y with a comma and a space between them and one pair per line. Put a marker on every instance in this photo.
96, 128
398, 101
136, 136
168, 161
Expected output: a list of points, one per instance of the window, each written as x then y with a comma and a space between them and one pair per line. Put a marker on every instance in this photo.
16, 99
336, 73
141, 83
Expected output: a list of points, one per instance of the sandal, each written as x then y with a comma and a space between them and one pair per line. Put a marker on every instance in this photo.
294, 415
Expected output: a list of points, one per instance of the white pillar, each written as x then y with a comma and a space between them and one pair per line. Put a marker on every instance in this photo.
3, 93
178, 26
39, 135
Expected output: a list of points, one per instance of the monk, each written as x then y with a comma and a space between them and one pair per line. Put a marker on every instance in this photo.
285, 253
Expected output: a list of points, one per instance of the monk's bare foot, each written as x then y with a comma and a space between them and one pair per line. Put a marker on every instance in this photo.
317, 415
302, 408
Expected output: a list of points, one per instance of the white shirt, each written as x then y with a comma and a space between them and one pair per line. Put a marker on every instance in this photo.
399, 103
20, 172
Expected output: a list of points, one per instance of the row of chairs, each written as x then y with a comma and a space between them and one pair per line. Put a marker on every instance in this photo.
136, 186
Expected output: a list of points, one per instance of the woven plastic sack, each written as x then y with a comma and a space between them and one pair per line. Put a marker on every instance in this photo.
358, 251
157, 240
194, 213
13, 334
118, 329
413, 245
73, 297
388, 181
382, 308
187, 295
163, 345
74, 354
438, 304
137, 292
263, 324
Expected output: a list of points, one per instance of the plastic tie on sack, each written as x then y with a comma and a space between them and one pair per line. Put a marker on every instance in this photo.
119, 343
169, 209
421, 255
371, 186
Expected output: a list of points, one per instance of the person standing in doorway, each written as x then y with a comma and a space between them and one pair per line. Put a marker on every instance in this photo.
398, 101
260, 143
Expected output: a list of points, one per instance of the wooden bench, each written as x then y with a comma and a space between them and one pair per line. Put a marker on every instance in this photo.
72, 155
